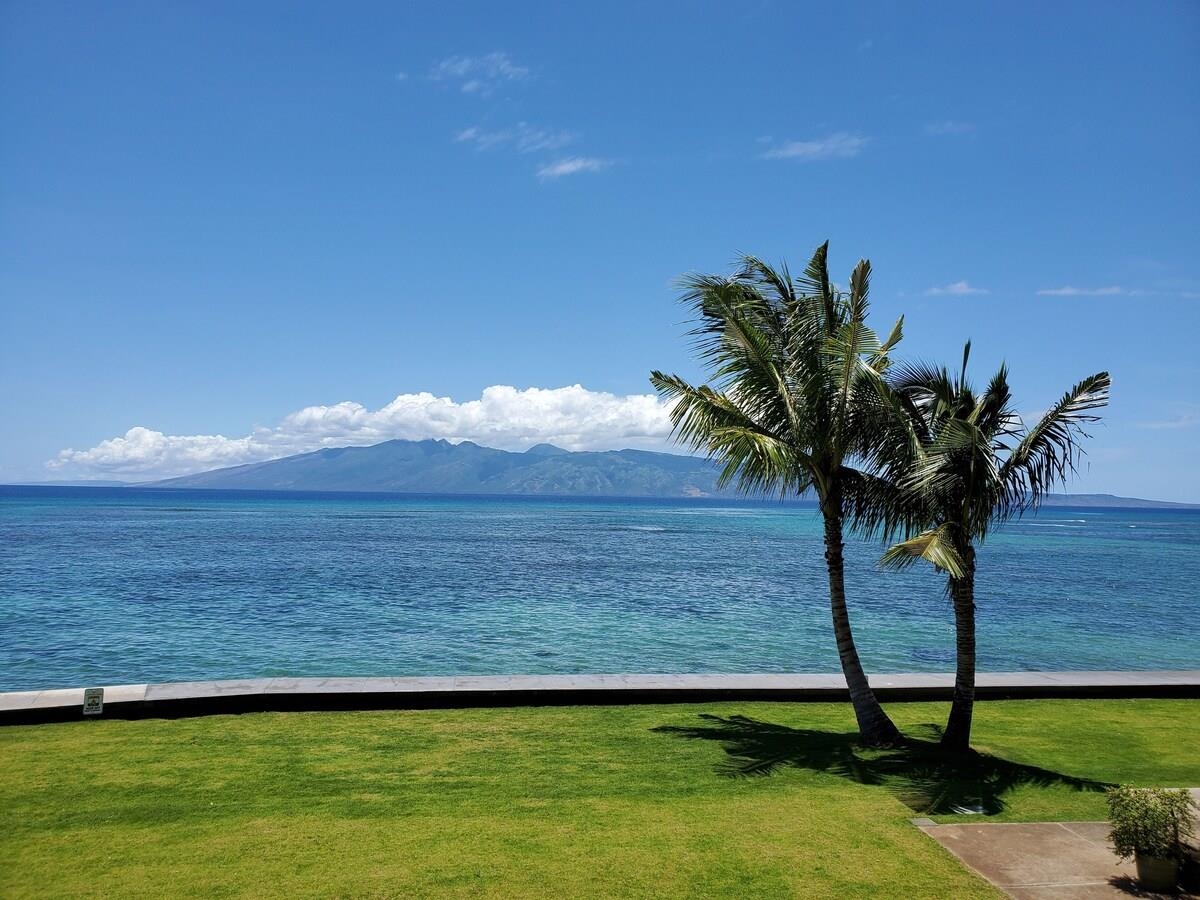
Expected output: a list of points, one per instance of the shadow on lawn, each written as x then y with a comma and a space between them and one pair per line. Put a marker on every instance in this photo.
926, 778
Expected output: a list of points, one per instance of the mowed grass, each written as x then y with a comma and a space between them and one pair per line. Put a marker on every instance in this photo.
713, 800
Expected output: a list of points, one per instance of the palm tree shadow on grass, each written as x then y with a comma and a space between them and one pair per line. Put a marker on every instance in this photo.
920, 773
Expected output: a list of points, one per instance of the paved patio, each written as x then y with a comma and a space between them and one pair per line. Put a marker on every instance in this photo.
1043, 860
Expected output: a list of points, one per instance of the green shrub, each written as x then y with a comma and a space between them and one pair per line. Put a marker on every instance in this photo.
1149, 821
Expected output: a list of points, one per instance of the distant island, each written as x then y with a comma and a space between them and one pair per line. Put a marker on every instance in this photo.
80, 482
1112, 501
440, 467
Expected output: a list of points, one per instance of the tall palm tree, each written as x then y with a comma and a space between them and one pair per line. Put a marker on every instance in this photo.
795, 371
964, 462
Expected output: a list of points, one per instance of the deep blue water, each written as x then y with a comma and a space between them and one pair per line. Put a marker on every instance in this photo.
103, 586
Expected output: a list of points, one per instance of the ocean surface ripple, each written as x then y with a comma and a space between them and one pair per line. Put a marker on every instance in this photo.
106, 586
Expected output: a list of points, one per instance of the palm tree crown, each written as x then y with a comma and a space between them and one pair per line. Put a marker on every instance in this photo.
966, 461
793, 367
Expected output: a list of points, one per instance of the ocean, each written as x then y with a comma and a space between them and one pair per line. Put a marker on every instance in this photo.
124, 585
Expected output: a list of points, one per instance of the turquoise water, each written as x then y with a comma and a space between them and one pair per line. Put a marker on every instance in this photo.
102, 586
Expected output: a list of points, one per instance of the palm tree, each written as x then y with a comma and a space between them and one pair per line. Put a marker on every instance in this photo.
964, 462
795, 372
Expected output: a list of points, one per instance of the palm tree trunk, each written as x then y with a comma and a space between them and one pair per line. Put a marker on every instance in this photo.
957, 736
873, 723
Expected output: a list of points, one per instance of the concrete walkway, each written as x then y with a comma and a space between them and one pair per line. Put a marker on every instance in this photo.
1044, 860
259, 694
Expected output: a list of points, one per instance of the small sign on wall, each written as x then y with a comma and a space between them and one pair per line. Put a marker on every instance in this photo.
93, 701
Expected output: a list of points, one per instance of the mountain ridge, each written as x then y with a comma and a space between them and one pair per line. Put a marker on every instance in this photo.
438, 466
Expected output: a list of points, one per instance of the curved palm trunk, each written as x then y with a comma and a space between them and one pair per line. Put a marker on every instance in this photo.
957, 736
873, 723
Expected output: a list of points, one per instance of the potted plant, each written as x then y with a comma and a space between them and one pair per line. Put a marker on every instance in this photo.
1151, 825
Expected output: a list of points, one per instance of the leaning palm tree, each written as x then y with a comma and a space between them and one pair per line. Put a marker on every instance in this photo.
795, 372
964, 462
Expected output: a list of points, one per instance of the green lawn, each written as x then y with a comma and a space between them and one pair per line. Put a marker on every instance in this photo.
728, 800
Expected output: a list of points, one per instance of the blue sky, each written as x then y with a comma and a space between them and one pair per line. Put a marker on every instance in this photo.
247, 229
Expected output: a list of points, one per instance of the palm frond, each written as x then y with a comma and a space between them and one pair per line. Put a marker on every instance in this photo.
1049, 452
815, 283
878, 506
896, 432
715, 299
929, 388
754, 270
935, 546
815, 280
992, 412
751, 453
881, 361
962, 373
860, 287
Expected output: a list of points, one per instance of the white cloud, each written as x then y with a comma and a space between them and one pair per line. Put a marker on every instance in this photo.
948, 127
478, 74
1183, 420
836, 146
956, 289
523, 138
572, 165
1080, 292
505, 417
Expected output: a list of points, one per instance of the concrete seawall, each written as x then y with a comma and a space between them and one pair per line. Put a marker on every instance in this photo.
197, 698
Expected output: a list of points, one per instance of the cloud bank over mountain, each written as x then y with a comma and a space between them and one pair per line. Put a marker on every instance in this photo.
504, 417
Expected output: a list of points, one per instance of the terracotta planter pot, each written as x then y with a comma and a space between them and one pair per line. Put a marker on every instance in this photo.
1155, 874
